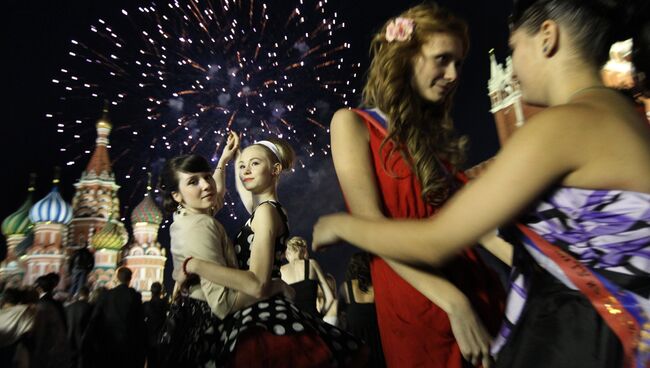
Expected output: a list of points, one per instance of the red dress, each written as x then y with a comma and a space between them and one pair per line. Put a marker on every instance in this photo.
414, 331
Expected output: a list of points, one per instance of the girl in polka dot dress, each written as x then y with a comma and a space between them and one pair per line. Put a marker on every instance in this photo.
193, 193
271, 332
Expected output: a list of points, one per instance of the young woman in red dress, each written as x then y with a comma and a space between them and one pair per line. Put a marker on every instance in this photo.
398, 158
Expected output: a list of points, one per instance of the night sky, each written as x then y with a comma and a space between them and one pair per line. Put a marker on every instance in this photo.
35, 41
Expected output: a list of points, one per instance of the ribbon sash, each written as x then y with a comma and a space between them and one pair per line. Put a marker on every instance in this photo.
619, 308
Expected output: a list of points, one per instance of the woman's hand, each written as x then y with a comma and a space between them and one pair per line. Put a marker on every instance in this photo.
192, 265
471, 336
324, 231
277, 286
231, 147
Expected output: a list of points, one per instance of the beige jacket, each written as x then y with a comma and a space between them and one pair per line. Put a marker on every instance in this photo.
203, 237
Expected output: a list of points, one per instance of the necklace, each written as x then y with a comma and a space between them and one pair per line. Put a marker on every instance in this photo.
581, 90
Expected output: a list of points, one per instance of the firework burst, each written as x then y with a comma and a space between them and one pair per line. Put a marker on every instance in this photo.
180, 74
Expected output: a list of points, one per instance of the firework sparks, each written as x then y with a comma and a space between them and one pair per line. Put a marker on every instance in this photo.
180, 74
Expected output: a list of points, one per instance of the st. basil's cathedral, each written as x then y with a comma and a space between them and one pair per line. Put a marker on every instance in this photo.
42, 237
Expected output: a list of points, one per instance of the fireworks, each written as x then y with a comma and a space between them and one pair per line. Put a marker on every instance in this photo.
180, 74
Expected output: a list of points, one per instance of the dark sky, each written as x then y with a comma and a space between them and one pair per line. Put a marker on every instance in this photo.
35, 36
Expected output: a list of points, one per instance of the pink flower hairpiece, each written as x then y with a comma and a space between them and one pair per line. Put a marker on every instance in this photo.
400, 29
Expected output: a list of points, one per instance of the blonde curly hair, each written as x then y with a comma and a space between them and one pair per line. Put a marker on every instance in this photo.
423, 131
298, 245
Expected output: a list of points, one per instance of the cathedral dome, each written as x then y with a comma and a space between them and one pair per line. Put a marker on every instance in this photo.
112, 236
52, 208
18, 222
147, 211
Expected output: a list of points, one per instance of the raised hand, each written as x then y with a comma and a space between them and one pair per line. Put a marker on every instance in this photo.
231, 147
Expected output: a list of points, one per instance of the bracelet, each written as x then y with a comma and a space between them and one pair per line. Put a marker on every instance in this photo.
185, 265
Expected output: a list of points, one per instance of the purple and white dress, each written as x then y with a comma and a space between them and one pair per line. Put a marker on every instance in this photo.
553, 319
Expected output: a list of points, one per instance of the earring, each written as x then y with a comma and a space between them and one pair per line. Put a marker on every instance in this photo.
179, 208
545, 48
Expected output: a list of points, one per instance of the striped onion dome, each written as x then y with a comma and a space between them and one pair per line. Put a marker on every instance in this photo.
147, 211
52, 208
112, 236
18, 222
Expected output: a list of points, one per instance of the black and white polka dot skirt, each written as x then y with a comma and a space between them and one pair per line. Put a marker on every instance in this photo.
280, 317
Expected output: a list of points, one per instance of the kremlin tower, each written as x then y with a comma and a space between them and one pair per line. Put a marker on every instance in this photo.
50, 216
15, 228
144, 256
508, 109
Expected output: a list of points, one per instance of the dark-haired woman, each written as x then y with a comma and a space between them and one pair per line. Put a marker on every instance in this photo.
576, 178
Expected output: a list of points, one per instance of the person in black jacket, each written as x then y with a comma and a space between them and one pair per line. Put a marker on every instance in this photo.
155, 311
49, 346
116, 335
77, 316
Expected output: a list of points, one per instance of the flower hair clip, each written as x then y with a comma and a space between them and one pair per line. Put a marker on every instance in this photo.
400, 29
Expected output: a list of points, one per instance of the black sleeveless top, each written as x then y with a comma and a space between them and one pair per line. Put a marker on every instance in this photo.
244, 241
306, 292
362, 323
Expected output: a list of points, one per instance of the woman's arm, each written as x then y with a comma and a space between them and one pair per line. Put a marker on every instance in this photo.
531, 161
219, 175
232, 278
266, 226
327, 291
498, 247
492, 242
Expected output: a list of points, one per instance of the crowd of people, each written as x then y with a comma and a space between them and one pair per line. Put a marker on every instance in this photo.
40, 327
569, 195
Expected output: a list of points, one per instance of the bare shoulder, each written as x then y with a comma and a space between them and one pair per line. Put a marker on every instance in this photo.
346, 120
266, 215
566, 125
605, 144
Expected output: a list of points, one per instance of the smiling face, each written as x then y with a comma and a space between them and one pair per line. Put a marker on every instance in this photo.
256, 170
436, 67
196, 191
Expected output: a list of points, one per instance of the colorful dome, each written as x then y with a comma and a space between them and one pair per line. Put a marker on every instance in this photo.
18, 222
147, 211
112, 236
52, 208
